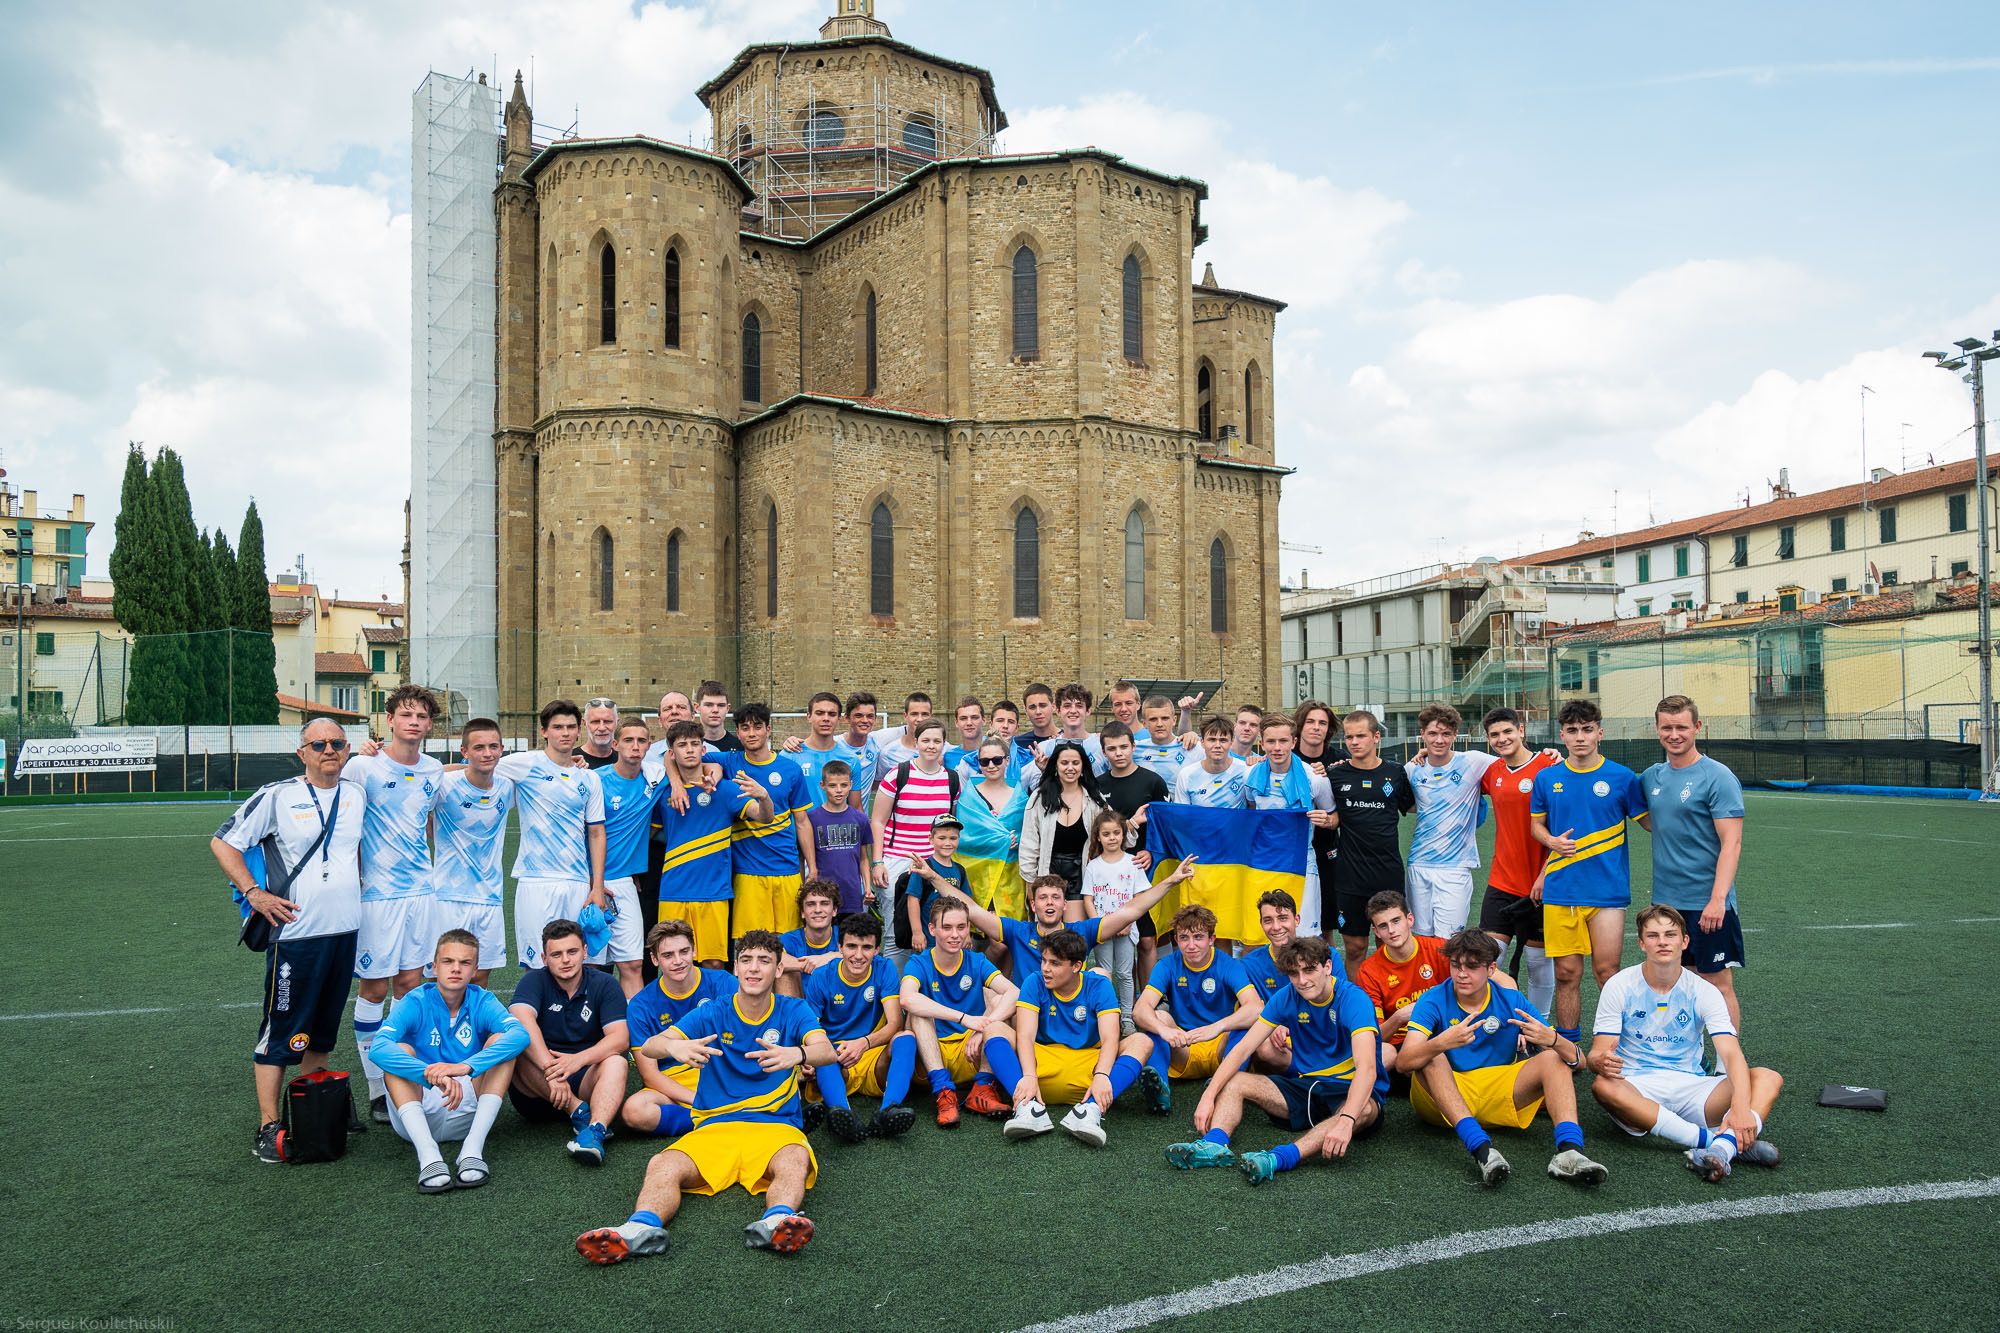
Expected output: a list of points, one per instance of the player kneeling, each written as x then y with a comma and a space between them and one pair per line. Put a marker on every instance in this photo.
446, 1053
1334, 1092
1460, 1049
748, 1052
1646, 1049
1069, 1019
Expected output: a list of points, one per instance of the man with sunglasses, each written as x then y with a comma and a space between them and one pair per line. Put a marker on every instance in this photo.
600, 733
313, 824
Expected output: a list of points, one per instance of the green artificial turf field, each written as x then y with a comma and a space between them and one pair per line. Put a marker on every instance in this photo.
131, 1190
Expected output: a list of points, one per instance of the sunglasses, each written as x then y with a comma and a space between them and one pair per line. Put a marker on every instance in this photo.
601, 702
992, 761
321, 747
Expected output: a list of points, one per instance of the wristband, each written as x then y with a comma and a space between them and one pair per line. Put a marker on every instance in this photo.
1349, 1115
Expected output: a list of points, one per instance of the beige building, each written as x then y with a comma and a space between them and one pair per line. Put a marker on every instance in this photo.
861, 404
337, 657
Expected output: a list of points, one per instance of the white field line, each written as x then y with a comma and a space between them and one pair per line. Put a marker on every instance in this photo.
1912, 837
126, 1013
1438, 1249
112, 837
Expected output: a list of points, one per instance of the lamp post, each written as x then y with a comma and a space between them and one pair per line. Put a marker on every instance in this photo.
1969, 363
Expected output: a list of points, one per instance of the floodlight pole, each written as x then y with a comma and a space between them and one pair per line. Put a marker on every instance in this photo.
1972, 356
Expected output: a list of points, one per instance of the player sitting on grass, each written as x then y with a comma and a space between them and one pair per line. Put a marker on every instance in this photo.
856, 998
1334, 1091
1278, 914
749, 1050
1023, 939
446, 1053
1197, 1005
1646, 1052
1461, 1048
954, 1001
816, 942
1068, 1020
660, 1105
574, 1068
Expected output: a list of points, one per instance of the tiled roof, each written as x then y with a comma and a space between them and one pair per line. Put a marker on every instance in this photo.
313, 709
383, 633
1920, 482
340, 664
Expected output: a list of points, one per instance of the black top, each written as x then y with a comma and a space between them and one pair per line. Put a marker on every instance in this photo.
1324, 839
728, 742
1369, 801
1068, 840
595, 762
1127, 794
571, 1023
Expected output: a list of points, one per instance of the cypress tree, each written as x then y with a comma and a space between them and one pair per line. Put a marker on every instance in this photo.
256, 652
183, 565
148, 598
222, 576
209, 643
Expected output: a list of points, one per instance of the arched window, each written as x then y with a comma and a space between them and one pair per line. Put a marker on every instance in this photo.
604, 570
607, 294
1027, 343
1135, 339
1027, 565
771, 562
881, 562
674, 571
1252, 382
1218, 587
753, 359
920, 136
1135, 565
825, 130
868, 347
744, 142
670, 299
1204, 402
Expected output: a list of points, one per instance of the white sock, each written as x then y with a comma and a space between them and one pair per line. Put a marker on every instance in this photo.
1723, 1145
419, 1130
368, 1016
482, 1120
1671, 1127
1541, 976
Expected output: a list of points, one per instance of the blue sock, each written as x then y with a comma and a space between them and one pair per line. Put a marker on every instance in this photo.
1702, 1142
983, 1077
674, 1121
1160, 1056
1569, 1134
1124, 1073
778, 1210
832, 1081
1472, 1134
1287, 1155
646, 1217
1574, 1034
1219, 1137
1006, 1065
940, 1080
902, 1064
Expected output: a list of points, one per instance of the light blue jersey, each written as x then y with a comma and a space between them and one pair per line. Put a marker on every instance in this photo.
557, 804
1448, 806
395, 848
860, 760
810, 763
1683, 805
889, 749
1092, 747
470, 824
1227, 790
424, 1022
1661, 1032
1166, 758
628, 821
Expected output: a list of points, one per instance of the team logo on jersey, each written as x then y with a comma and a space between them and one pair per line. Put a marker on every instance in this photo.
555, 1008
769, 1036
1555, 786
1600, 788
1681, 1018
1388, 786
1490, 1026
1079, 1012
1525, 785
298, 1041
367, 959
868, 994
1347, 786
1636, 1017
428, 788
702, 798
464, 1033
1424, 971
1656, 792
965, 983
584, 1013
1687, 792
1208, 985
839, 998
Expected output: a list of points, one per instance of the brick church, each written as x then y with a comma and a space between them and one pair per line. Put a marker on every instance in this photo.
856, 401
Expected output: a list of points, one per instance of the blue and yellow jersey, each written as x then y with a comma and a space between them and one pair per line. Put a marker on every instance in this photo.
731, 1088
1590, 805
1070, 1020
694, 867
1199, 996
1498, 1042
770, 847
850, 1009
1322, 1035
655, 1008
1024, 943
798, 946
963, 988
1262, 968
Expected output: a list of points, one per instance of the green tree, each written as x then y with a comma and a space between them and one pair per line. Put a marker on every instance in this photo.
183, 567
214, 604
147, 596
256, 672
222, 573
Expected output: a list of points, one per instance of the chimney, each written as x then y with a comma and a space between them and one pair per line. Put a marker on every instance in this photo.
76, 508
1782, 490
1879, 475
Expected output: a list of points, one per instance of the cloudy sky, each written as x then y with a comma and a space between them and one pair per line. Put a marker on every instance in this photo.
1546, 264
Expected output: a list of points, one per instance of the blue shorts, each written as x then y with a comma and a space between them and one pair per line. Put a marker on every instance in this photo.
305, 996
1713, 951
1309, 1100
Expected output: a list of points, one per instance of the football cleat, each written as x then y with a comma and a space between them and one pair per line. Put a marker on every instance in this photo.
1570, 1164
1493, 1168
588, 1145
947, 1108
1258, 1167
1761, 1153
786, 1234
846, 1126
614, 1245
892, 1122
985, 1099
1710, 1165
1159, 1097
815, 1116
1200, 1153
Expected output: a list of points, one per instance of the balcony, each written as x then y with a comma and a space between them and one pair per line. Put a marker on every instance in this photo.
1488, 671
1500, 599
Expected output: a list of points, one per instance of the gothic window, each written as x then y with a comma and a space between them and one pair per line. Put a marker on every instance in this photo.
1135, 340
1204, 402
674, 572
771, 562
604, 570
1135, 565
881, 562
1027, 565
753, 359
670, 299
1218, 587
1027, 343
607, 294
868, 347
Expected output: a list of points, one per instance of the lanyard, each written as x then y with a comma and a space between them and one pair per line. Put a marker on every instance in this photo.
328, 819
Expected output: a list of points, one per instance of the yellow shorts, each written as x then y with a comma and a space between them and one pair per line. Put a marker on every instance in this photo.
1566, 930
734, 1152
863, 1079
766, 902
961, 1069
1064, 1072
711, 927
1197, 1061
1488, 1093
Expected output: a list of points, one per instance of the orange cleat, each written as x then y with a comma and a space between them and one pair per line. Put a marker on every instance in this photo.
985, 1099
947, 1108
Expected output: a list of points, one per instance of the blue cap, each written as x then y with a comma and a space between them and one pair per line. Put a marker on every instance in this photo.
596, 929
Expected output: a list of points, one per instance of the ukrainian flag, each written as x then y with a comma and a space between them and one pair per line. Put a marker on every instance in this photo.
988, 851
1242, 854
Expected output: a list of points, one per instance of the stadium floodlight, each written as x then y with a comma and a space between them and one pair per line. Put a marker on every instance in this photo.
1976, 353
1970, 344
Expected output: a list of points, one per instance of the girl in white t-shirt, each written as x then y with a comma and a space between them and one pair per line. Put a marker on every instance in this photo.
1112, 879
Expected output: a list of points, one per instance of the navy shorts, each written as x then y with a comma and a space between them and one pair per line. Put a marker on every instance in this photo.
1310, 1100
1517, 916
305, 996
1713, 951
541, 1111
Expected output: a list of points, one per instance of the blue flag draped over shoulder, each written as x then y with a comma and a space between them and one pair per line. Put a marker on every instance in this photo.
1240, 855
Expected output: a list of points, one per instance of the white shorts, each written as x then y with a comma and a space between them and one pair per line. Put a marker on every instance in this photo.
628, 942
395, 936
1686, 1095
1440, 898
538, 902
485, 920
447, 1126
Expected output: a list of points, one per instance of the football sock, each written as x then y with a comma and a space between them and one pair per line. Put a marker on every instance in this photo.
1569, 1134
1723, 1146
645, 1217
1160, 1055
1219, 1137
778, 1210
832, 1081
1006, 1066
1574, 1034
1676, 1130
674, 1120
1124, 1073
940, 1080
411, 1113
483, 1117
902, 1063
1472, 1134
368, 1015
1287, 1155
1541, 976
983, 1077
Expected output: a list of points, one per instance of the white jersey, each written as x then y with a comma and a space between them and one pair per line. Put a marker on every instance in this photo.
888, 749
1166, 758
1659, 1032
1227, 790
395, 842
471, 825
557, 804
328, 887
1447, 831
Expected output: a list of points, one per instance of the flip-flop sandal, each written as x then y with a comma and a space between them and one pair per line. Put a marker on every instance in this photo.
472, 1172
434, 1178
